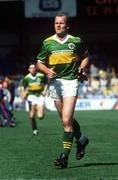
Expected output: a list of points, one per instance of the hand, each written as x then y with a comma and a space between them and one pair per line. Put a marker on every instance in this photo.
43, 93
24, 94
51, 73
82, 76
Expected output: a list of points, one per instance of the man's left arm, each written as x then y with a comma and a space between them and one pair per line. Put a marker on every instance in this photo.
84, 64
82, 71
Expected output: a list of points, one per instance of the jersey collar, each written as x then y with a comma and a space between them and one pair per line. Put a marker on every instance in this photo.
63, 41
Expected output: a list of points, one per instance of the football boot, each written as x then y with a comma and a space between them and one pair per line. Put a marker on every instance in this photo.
81, 145
62, 161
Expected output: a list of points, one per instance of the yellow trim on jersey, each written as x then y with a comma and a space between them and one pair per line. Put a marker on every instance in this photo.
49, 38
34, 87
62, 58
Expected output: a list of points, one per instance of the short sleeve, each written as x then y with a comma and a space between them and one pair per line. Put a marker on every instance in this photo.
42, 55
24, 82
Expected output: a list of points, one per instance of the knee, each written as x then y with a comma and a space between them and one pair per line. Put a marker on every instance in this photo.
68, 125
32, 115
41, 116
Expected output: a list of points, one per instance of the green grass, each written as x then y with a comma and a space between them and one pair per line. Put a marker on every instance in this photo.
23, 156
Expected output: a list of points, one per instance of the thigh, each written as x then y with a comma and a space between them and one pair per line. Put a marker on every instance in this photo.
59, 106
68, 108
32, 110
40, 100
32, 105
60, 88
55, 91
31, 99
69, 87
40, 106
69, 93
40, 110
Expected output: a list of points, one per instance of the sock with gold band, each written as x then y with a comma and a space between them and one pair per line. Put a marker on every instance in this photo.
67, 142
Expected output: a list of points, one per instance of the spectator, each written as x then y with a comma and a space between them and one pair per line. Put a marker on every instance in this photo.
9, 84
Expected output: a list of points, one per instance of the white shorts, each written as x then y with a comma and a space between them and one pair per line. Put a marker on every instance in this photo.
60, 88
36, 100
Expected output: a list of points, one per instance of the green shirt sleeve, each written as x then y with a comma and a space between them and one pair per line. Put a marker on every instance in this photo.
24, 82
42, 55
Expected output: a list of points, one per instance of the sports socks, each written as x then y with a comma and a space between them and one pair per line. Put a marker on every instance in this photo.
76, 129
67, 142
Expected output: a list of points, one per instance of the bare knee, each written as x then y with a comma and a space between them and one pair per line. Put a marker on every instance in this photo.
32, 115
68, 125
41, 116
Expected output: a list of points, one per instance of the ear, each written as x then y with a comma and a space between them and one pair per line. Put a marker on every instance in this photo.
68, 27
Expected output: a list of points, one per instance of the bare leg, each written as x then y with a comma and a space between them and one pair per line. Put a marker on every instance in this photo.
32, 117
76, 126
40, 111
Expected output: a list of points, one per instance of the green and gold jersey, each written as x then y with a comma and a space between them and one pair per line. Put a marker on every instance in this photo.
34, 84
63, 55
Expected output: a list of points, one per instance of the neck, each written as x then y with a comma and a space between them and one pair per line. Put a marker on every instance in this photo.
33, 74
61, 37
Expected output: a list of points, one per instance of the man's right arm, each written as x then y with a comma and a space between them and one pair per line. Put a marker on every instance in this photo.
24, 89
44, 69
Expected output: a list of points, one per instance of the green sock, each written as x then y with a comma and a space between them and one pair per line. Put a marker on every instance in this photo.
67, 142
76, 129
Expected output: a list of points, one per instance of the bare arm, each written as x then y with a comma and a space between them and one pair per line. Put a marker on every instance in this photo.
82, 75
44, 69
24, 92
84, 64
44, 92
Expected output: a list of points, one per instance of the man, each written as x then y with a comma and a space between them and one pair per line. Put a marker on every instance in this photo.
5, 108
11, 87
33, 88
60, 57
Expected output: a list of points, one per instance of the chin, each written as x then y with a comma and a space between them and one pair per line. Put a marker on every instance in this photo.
61, 34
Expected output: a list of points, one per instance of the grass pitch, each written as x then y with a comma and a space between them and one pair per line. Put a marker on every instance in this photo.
24, 156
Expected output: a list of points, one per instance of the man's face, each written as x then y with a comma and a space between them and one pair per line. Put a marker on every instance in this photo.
60, 25
32, 69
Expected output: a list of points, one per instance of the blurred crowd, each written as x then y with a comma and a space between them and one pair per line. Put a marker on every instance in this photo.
102, 83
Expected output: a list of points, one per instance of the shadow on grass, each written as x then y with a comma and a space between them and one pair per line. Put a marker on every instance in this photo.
95, 164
